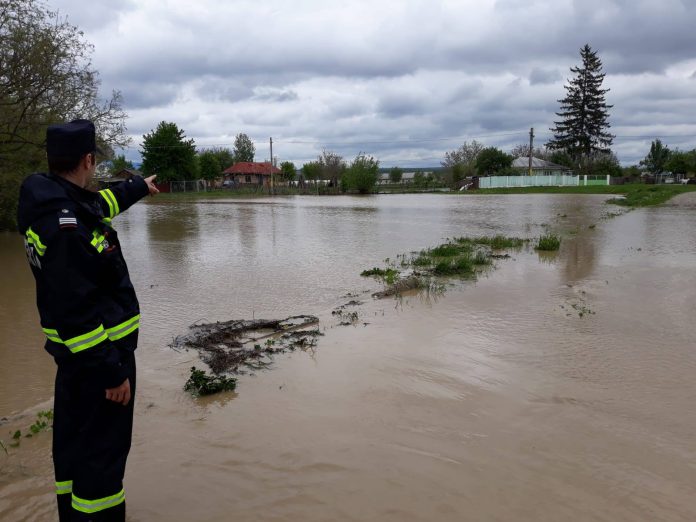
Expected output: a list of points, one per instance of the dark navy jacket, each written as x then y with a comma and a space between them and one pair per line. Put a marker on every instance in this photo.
88, 307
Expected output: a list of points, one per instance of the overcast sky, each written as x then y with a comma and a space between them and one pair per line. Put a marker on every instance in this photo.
403, 80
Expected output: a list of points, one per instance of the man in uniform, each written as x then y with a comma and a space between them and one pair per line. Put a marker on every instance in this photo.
90, 316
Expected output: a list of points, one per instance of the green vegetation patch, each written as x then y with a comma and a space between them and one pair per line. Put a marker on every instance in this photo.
200, 383
461, 257
548, 243
649, 195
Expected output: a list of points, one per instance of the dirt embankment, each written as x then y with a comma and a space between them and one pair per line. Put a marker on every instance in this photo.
687, 200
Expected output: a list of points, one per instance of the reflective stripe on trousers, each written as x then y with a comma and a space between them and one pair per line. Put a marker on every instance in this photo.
99, 504
64, 487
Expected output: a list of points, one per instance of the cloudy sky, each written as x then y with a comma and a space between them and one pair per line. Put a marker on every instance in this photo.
403, 80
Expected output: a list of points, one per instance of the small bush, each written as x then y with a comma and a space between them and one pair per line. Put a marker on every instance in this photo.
200, 383
549, 242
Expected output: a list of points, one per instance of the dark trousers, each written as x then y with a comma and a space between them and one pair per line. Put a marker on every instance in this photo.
91, 441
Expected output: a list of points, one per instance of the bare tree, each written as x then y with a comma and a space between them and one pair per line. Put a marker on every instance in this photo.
465, 155
332, 166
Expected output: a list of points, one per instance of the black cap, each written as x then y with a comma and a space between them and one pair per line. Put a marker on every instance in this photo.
70, 140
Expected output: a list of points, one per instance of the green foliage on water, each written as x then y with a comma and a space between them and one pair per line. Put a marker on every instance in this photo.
460, 257
388, 275
497, 242
549, 243
446, 250
43, 422
460, 266
200, 383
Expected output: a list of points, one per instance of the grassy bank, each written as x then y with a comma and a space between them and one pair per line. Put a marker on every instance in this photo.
636, 195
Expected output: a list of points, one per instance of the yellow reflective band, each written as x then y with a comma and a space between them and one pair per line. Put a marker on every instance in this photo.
33, 239
125, 328
97, 240
84, 341
111, 201
100, 504
64, 487
53, 335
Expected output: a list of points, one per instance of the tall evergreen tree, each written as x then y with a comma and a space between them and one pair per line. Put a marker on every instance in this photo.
583, 128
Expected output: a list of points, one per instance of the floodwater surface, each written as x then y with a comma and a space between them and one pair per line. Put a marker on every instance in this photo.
557, 386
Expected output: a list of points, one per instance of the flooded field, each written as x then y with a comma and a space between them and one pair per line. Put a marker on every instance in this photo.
557, 387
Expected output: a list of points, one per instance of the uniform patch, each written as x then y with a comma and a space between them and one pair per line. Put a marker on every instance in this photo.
66, 219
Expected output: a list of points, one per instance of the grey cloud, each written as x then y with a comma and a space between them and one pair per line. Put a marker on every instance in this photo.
415, 69
542, 76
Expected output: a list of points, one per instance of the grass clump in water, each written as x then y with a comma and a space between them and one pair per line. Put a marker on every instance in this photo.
549, 243
461, 266
481, 258
445, 250
388, 275
423, 259
200, 383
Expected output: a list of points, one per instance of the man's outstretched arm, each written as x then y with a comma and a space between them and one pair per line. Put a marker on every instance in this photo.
118, 198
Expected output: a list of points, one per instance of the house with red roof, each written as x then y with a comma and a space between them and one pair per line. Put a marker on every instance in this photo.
251, 173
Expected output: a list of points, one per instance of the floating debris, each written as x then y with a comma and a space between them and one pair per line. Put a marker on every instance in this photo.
230, 347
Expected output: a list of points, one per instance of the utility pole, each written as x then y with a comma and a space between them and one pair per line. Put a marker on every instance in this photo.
272, 186
531, 148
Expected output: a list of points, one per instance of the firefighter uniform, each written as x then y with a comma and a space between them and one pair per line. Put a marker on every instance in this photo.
90, 316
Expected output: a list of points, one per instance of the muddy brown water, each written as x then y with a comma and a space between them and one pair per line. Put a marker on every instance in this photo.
494, 401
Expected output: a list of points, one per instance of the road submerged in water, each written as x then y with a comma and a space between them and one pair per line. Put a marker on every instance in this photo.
556, 387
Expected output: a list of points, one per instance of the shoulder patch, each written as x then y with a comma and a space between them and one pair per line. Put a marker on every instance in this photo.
66, 219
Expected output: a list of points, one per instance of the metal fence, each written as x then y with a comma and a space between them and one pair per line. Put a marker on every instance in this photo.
197, 185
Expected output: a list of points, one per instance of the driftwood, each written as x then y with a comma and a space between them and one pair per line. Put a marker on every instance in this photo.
228, 346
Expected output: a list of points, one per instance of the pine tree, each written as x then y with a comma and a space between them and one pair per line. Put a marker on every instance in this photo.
583, 129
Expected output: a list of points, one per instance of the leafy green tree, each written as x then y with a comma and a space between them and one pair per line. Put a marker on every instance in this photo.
167, 153
288, 169
657, 158
396, 174
561, 157
224, 156
46, 76
602, 164
244, 149
680, 162
491, 160
584, 124
631, 172
311, 171
464, 155
361, 175
120, 163
208, 165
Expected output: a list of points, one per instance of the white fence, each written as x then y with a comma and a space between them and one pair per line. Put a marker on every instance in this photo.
557, 180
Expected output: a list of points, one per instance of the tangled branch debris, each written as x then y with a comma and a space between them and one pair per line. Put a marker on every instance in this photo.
231, 346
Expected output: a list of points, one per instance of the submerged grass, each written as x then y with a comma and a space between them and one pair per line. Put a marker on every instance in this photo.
549, 243
462, 257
